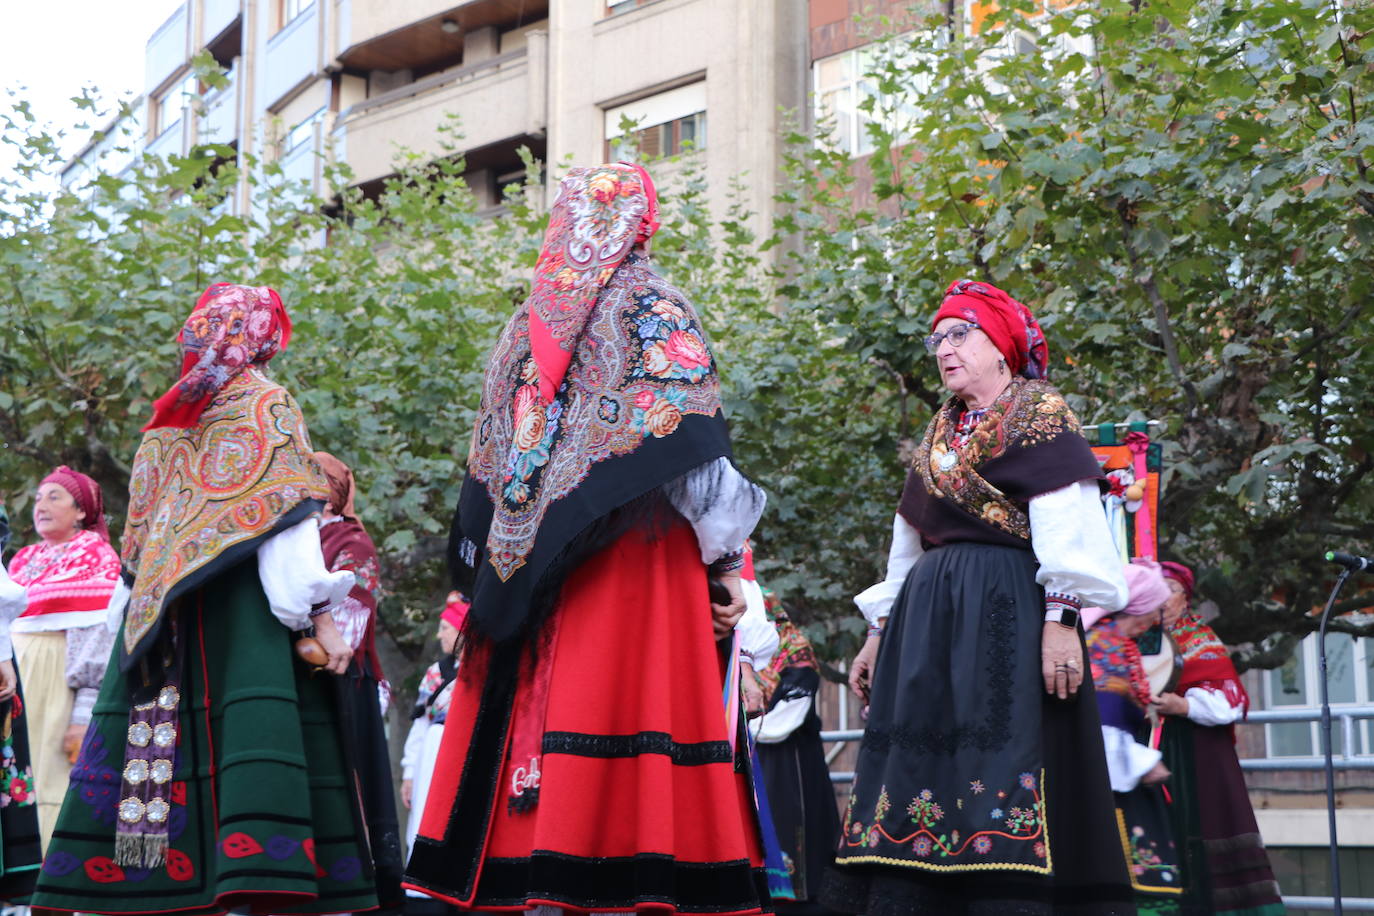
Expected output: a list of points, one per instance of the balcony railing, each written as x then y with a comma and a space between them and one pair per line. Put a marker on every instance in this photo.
496, 99
1343, 717
167, 50
219, 122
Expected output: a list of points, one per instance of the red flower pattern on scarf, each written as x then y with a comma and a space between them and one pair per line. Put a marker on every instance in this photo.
231, 328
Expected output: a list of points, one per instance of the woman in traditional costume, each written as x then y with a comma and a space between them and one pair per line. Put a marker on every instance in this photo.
429, 715
981, 784
61, 643
347, 547
20, 851
213, 776
1123, 697
1224, 853
792, 759
587, 763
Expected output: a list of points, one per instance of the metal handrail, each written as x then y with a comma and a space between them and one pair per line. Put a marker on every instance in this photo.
1346, 760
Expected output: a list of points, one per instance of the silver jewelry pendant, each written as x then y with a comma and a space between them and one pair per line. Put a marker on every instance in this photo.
948, 460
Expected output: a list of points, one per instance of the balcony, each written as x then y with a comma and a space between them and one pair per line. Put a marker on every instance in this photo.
292, 56
216, 17
171, 142
423, 35
168, 50
219, 120
502, 98
304, 162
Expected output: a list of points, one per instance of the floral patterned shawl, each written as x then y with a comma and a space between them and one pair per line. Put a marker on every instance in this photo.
979, 487
639, 406
203, 498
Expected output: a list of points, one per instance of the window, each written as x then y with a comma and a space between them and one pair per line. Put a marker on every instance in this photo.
288, 10
170, 104
667, 124
1297, 685
616, 7
302, 133
842, 85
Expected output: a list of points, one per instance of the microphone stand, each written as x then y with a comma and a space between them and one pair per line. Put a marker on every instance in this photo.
1326, 744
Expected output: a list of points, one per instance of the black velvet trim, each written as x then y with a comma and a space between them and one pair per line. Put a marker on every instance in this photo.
623, 882
580, 744
227, 559
450, 865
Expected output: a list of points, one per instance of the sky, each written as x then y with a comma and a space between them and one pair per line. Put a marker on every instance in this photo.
54, 48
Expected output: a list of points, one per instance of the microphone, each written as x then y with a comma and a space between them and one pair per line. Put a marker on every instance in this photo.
1350, 562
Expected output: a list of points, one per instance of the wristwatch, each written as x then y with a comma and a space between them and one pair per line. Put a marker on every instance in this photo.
1063, 615
1062, 609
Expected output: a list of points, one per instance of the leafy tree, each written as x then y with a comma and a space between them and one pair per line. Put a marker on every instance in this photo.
1181, 193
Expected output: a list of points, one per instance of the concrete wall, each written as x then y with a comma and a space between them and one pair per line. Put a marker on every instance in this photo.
751, 55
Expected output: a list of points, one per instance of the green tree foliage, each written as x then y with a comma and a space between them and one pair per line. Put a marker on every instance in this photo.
1181, 192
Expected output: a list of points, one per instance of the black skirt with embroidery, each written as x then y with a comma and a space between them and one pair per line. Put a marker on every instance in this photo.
976, 792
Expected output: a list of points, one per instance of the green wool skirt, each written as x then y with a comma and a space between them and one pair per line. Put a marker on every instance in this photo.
265, 817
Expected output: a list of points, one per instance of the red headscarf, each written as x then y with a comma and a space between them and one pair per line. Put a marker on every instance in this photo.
600, 215
455, 611
1010, 325
231, 327
1180, 574
88, 497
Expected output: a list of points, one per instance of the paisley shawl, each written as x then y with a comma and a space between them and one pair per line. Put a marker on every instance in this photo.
201, 499
599, 216
1027, 443
639, 407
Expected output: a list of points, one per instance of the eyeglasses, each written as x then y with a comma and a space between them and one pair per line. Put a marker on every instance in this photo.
956, 335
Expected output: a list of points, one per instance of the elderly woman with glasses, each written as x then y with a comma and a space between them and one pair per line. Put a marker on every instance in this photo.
981, 783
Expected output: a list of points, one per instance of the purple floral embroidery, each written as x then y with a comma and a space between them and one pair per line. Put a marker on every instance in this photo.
99, 784
60, 862
282, 847
346, 869
136, 874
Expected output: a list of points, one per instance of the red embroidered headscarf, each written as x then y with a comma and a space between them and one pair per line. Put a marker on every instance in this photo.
600, 215
88, 497
231, 327
1010, 325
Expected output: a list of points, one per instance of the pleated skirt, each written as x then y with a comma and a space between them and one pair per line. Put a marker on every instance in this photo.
265, 810
975, 791
642, 803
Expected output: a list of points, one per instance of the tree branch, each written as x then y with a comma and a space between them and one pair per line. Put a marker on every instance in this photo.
1146, 279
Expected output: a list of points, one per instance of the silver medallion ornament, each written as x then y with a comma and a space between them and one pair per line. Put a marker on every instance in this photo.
131, 811
135, 771
140, 733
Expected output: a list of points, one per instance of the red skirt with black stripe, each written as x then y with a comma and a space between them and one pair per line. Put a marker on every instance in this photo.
641, 804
